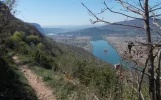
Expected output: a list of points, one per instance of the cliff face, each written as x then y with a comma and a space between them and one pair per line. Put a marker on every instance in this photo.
38, 27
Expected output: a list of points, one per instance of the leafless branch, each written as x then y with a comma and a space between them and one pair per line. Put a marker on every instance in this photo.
158, 33
158, 15
155, 9
138, 70
141, 5
135, 81
107, 8
130, 8
156, 23
130, 5
156, 6
107, 22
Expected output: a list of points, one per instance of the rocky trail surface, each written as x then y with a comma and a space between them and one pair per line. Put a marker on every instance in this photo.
42, 91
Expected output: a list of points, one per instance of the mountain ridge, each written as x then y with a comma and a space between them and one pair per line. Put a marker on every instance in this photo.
114, 29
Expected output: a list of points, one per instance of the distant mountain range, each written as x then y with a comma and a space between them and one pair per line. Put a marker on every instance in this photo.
100, 30
53, 30
66, 28
94, 31
114, 29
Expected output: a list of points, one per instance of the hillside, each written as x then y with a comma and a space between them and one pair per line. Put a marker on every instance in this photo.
93, 78
114, 29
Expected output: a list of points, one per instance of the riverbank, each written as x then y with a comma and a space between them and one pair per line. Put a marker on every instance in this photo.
120, 44
88, 47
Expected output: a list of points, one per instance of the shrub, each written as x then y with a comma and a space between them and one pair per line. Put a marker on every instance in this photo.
15, 39
40, 46
19, 35
22, 47
32, 39
46, 78
46, 62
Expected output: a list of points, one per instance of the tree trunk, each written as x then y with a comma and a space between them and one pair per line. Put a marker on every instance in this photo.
151, 58
158, 97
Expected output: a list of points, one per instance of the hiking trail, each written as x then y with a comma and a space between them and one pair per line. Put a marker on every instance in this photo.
42, 91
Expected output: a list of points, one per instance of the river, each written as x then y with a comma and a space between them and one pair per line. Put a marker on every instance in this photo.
111, 56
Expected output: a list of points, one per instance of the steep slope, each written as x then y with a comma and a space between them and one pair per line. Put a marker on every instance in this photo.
96, 77
13, 85
60, 58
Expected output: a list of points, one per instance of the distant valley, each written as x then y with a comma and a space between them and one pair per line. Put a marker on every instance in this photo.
81, 36
114, 29
114, 34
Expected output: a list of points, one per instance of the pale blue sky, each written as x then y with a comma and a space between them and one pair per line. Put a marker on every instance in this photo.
62, 12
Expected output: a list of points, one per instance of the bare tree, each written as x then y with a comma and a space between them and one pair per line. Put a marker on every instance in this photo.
144, 11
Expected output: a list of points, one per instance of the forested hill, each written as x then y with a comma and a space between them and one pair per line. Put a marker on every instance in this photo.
39, 52
114, 29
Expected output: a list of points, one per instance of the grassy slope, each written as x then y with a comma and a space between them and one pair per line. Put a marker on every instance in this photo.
89, 87
91, 78
93, 75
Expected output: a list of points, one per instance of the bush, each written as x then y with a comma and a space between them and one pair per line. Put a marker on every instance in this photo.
32, 39
23, 47
102, 78
40, 46
46, 62
46, 78
15, 39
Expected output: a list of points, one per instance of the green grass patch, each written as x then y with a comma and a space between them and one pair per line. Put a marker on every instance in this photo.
63, 89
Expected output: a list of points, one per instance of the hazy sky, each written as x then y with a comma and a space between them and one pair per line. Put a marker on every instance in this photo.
62, 12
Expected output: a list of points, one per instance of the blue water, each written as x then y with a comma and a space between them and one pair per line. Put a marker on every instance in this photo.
98, 50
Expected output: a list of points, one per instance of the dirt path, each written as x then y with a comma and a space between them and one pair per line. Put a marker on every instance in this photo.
42, 91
